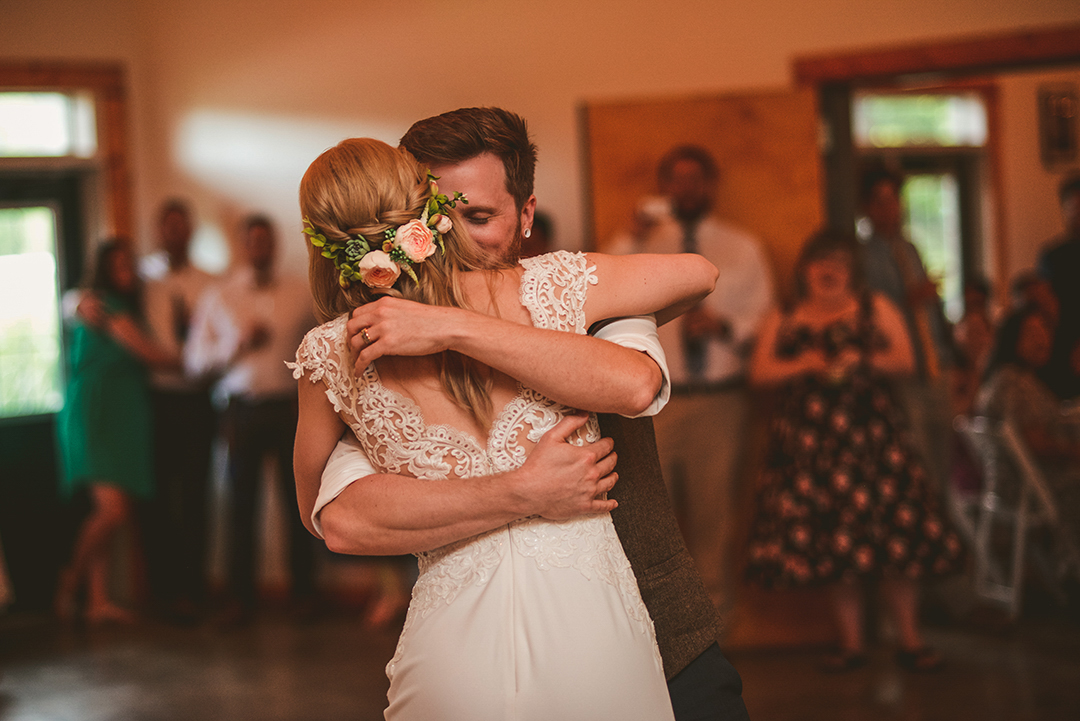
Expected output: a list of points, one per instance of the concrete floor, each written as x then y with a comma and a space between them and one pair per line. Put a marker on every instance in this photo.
333, 669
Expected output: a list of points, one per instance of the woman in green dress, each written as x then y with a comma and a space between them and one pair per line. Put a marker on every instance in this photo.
105, 427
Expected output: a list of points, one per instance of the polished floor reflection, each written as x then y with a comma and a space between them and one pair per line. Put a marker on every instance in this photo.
332, 669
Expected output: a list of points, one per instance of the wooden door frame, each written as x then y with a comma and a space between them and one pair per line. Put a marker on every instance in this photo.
956, 56
108, 84
941, 62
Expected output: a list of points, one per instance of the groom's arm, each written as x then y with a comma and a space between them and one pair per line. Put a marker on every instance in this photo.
359, 511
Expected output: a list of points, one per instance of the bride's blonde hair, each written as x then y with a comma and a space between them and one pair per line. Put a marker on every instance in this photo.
363, 187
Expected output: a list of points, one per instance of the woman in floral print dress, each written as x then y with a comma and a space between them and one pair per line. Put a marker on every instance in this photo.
843, 496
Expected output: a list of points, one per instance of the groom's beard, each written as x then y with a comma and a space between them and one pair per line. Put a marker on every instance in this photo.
513, 251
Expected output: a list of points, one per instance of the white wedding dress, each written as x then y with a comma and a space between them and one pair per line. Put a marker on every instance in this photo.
536, 620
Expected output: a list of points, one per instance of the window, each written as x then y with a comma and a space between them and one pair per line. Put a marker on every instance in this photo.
919, 120
31, 367
932, 223
35, 125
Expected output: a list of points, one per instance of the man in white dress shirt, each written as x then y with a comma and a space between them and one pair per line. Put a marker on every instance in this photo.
242, 331
175, 529
700, 433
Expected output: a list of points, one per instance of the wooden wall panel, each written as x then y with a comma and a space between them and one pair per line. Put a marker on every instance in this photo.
766, 145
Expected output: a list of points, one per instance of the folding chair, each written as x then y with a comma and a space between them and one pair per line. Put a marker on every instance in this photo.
1014, 501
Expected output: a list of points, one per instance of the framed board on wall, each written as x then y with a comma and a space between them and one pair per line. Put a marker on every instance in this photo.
765, 143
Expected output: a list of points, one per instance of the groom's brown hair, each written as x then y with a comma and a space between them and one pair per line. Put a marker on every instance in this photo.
463, 134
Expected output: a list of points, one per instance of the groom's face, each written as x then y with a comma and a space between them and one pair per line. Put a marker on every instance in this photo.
491, 216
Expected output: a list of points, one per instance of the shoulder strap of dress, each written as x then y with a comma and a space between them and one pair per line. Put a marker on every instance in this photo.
553, 290
322, 353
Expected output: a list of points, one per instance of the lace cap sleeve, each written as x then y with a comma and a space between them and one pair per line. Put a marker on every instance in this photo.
321, 351
554, 287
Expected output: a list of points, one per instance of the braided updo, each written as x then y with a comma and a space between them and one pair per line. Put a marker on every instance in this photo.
363, 186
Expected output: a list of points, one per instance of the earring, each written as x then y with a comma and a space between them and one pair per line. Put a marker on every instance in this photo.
528, 232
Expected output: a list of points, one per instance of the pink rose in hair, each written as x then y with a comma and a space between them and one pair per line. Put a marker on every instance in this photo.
415, 240
378, 270
443, 224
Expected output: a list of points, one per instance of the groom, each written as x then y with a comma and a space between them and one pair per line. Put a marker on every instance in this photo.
486, 154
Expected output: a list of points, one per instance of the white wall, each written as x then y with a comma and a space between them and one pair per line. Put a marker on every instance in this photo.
231, 100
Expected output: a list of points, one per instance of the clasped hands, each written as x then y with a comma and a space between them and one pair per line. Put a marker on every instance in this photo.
816, 363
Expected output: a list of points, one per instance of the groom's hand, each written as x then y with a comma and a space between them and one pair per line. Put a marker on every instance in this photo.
560, 480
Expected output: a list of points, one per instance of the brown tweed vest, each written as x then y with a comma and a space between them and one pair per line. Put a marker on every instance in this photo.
685, 619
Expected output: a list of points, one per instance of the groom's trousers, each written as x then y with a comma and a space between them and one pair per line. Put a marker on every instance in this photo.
702, 684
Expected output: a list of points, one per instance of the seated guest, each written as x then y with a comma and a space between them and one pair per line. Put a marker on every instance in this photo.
973, 336
1013, 391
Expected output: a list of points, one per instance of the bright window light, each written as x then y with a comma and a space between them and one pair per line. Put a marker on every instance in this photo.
47, 125
919, 120
31, 360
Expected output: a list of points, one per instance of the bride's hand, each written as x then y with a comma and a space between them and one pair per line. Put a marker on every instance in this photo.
394, 326
560, 480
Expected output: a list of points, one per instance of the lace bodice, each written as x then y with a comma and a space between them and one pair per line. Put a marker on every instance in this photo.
392, 430
391, 427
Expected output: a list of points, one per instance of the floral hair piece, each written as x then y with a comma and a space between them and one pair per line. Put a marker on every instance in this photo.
378, 262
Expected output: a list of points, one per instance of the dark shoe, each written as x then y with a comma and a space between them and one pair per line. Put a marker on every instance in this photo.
843, 661
920, 660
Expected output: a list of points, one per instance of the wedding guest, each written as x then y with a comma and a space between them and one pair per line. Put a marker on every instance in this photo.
973, 336
706, 351
894, 268
175, 522
1059, 264
1014, 391
844, 498
105, 428
243, 330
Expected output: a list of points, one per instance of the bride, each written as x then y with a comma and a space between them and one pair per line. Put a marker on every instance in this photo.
536, 619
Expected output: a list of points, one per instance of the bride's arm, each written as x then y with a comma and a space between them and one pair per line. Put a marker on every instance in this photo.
576, 370
666, 285
318, 429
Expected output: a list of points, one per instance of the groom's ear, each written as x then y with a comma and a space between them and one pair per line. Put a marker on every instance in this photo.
528, 211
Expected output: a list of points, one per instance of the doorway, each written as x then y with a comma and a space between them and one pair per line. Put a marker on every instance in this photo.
41, 241
936, 140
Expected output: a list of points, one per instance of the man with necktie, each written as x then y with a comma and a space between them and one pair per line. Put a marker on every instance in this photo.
701, 431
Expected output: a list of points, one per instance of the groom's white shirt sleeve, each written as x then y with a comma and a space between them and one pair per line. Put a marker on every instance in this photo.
348, 462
